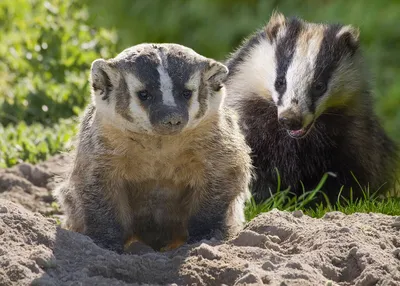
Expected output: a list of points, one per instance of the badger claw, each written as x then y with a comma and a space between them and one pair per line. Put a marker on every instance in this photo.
129, 241
173, 245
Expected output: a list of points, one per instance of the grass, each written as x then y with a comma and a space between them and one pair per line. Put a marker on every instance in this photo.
286, 201
389, 206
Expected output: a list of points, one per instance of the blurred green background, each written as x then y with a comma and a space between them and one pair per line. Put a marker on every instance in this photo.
46, 48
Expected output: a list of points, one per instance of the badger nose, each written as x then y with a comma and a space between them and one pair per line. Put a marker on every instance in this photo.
172, 120
291, 121
167, 120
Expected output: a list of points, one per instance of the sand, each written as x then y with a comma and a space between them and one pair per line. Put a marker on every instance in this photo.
276, 248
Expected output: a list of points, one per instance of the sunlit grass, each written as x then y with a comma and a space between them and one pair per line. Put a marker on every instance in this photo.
286, 201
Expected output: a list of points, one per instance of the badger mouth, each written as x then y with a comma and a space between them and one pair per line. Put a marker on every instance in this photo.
301, 133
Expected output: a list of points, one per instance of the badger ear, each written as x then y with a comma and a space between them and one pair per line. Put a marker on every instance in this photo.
276, 21
103, 78
349, 37
216, 74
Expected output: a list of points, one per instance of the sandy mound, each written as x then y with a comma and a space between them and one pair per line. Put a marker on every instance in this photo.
31, 185
276, 248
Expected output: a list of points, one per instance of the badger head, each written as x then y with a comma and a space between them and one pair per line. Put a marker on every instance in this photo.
315, 69
159, 89
304, 68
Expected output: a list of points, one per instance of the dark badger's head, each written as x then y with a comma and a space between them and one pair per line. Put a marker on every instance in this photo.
305, 68
157, 88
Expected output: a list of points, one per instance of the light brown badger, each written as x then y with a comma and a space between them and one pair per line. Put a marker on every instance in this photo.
158, 158
304, 98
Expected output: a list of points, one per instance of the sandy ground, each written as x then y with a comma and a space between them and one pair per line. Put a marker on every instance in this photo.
276, 248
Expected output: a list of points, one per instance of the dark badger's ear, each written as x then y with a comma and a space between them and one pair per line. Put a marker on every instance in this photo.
349, 37
103, 77
216, 74
276, 22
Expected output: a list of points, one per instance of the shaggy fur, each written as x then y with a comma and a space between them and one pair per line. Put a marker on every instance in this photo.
305, 106
131, 181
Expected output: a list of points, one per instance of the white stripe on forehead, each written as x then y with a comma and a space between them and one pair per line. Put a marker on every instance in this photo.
166, 85
301, 69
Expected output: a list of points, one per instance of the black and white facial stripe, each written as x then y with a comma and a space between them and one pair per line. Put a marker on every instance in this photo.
284, 51
334, 47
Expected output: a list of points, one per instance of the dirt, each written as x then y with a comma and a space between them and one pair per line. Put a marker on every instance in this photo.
276, 248
31, 185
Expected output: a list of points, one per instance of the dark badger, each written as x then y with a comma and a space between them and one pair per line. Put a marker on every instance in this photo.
305, 103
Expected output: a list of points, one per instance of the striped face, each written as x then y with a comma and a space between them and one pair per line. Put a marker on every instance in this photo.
305, 68
314, 70
157, 88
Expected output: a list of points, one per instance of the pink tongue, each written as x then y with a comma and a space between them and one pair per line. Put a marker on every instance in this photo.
297, 132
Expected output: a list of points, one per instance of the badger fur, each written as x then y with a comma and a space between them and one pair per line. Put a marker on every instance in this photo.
304, 99
158, 159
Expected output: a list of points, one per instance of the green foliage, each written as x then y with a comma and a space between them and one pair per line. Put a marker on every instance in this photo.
215, 28
285, 201
45, 55
34, 143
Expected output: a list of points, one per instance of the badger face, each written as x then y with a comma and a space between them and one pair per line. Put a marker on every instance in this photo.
314, 69
304, 68
158, 89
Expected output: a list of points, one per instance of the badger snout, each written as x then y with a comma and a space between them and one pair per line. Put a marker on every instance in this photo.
168, 120
290, 120
296, 124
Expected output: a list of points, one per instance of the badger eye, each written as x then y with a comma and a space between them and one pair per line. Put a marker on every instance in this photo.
187, 93
143, 95
280, 84
320, 87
